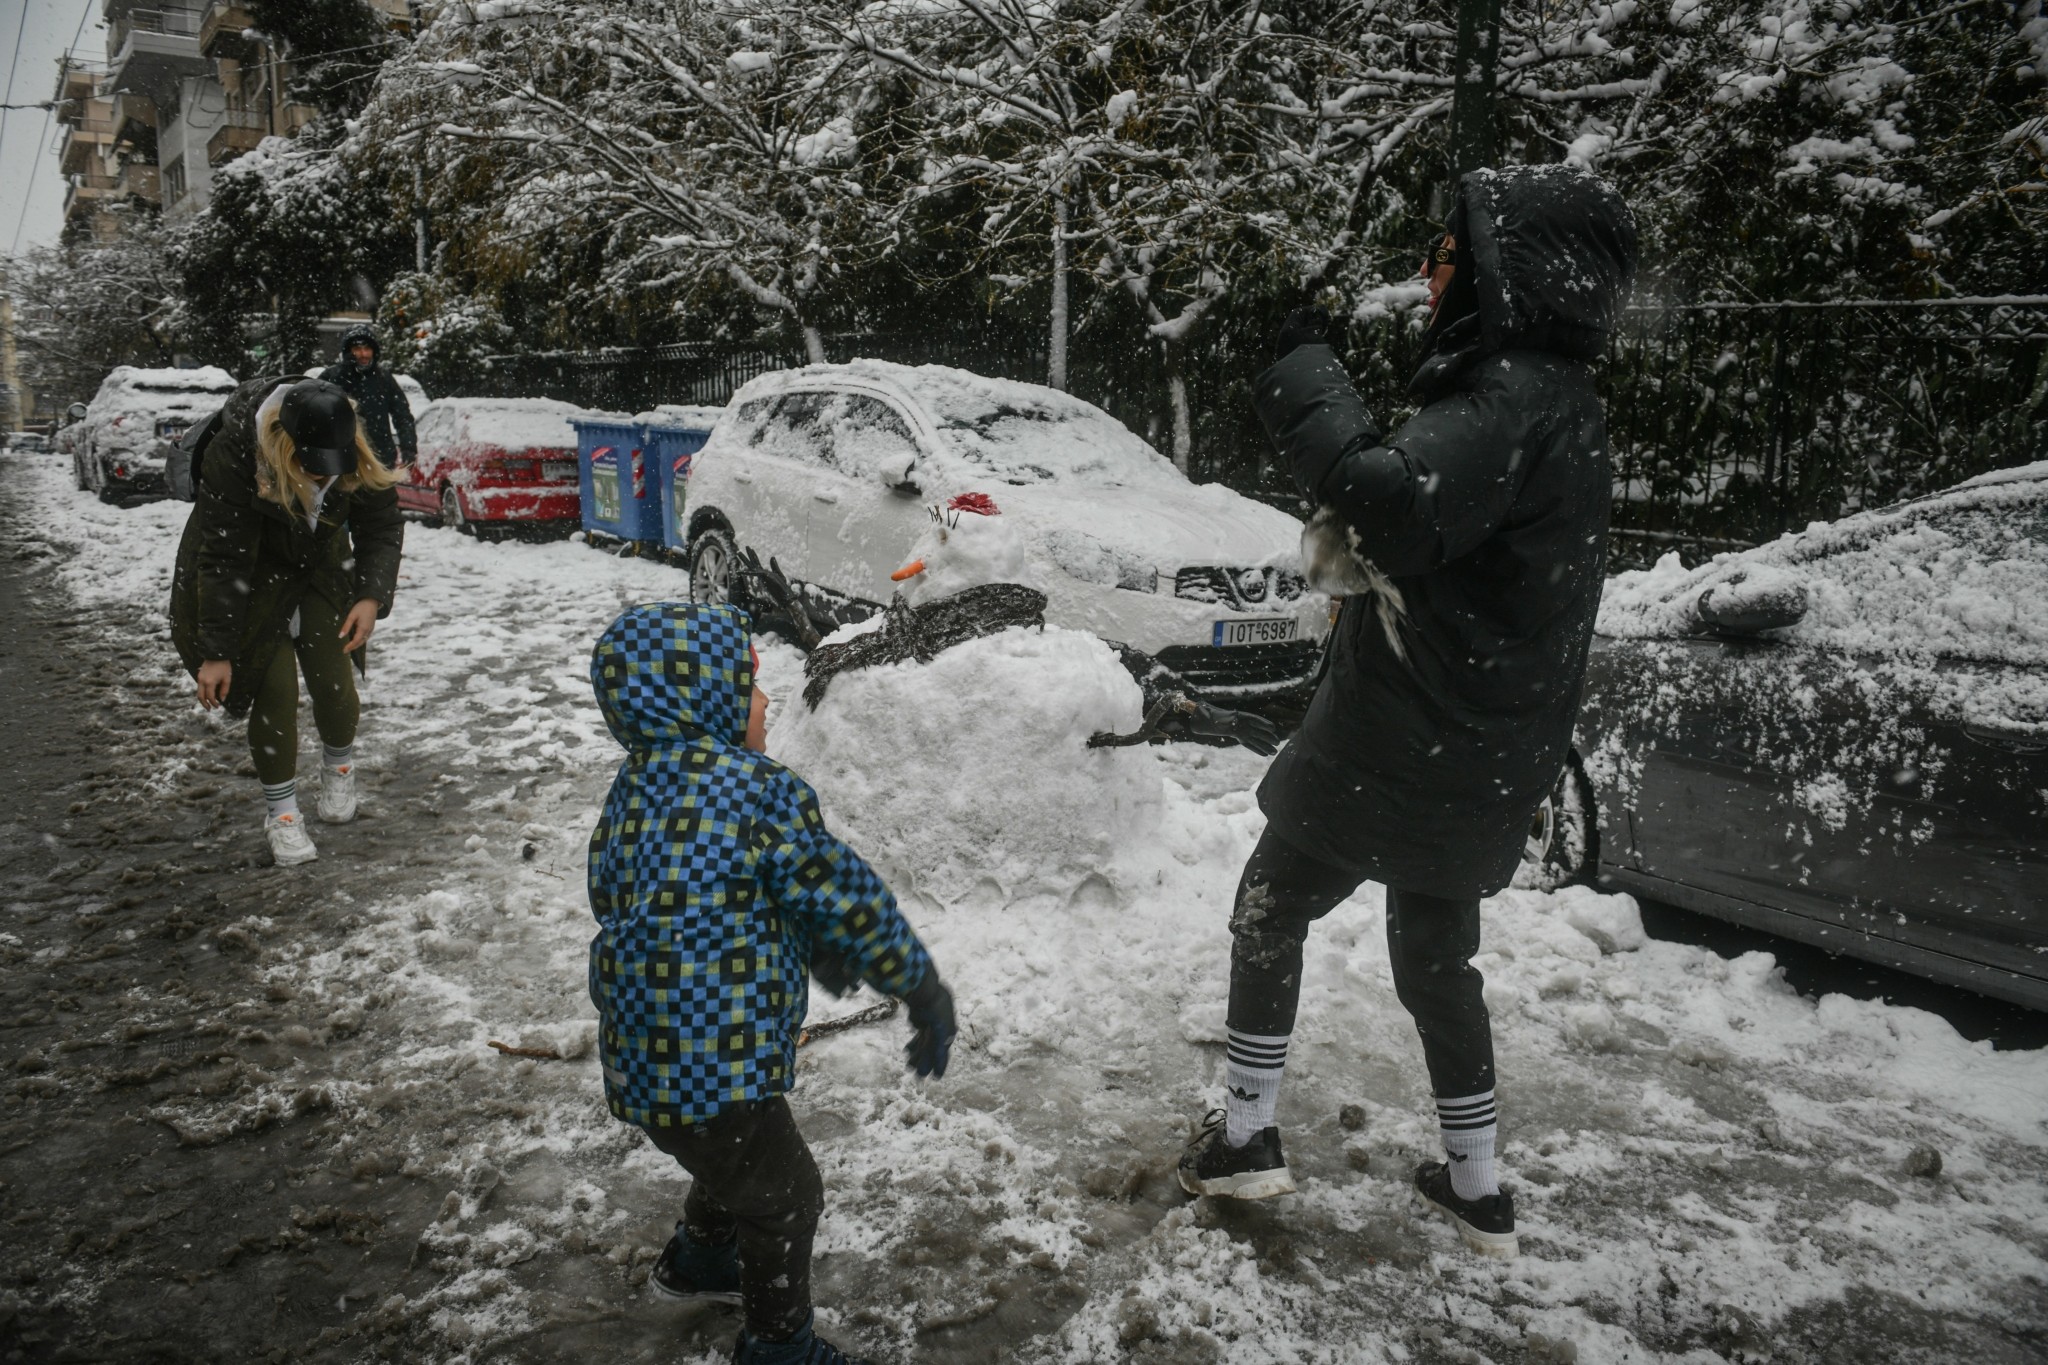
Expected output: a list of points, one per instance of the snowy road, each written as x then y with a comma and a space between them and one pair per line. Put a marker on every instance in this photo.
1707, 1166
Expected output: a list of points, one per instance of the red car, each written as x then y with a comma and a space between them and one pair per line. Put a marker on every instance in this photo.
495, 464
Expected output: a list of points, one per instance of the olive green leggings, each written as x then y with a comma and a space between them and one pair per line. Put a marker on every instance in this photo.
330, 682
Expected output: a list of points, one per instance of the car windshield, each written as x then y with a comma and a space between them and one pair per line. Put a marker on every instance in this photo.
1025, 440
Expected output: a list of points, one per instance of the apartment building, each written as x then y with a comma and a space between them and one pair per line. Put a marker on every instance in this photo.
187, 87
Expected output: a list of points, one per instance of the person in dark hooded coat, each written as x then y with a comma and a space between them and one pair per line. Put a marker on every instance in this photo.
1468, 547
380, 403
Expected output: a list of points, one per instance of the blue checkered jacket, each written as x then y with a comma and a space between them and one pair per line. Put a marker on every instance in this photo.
711, 876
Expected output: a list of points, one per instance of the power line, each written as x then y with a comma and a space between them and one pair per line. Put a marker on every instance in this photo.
43, 137
7, 102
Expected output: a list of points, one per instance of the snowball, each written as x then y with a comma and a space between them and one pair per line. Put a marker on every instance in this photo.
974, 769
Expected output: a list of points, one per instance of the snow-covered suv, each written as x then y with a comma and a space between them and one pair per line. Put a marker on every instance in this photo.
118, 447
833, 470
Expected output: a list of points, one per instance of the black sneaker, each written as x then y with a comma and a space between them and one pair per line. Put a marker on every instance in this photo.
805, 1348
1487, 1225
1257, 1170
697, 1272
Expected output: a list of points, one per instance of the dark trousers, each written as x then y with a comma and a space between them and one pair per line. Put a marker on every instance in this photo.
753, 1178
1431, 940
330, 682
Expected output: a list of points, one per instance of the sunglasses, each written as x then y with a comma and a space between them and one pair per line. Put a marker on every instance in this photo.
1439, 254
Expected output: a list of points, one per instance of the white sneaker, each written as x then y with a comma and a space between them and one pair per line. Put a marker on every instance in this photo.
289, 842
338, 795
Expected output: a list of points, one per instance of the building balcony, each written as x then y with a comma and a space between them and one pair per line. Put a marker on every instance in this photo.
138, 179
221, 29
85, 143
134, 119
76, 81
395, 13
150, 49
89, 191
239, 131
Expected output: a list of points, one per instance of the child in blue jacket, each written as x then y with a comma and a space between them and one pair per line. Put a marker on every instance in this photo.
714, 881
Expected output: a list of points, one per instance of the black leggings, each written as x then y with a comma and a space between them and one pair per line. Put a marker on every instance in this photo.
1431, 940
753, 1177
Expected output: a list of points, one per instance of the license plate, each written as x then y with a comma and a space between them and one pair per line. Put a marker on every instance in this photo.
1265, 630
560, 471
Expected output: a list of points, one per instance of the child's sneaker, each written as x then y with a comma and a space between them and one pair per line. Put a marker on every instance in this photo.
805, 1348
338, 795
290, 845
1486, 1224
1257, 1170
697, 1272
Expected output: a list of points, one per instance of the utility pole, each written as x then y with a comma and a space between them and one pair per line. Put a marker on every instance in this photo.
1473, 135
419, 215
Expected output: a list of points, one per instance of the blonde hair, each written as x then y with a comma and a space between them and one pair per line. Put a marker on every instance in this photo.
279, 477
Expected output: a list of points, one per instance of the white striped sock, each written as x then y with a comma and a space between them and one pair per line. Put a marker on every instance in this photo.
281, 798
1470, 1124
1252, 1074
338, 758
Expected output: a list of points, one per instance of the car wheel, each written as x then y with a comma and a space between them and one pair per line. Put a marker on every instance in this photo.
713, 556
1562, 847
451, 511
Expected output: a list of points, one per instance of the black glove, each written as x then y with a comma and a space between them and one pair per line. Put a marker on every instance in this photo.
832, 971
931, 1014
1253, 731
1304, 327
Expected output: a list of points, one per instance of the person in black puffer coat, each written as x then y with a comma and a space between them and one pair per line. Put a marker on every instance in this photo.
1468, 547
380, 403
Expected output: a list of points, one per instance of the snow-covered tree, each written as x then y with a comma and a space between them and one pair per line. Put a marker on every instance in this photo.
82, 308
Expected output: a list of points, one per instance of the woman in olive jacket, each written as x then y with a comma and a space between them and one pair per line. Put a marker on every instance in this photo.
288, 561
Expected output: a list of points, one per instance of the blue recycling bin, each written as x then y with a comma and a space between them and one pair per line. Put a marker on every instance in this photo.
672, 448
621, 498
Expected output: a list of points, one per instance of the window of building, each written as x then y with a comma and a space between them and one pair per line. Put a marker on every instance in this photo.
174, 180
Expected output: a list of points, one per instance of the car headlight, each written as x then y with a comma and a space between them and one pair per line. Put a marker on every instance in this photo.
1082, 556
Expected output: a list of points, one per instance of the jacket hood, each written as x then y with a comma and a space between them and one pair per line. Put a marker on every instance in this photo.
672, 673
1553, 252
364, 334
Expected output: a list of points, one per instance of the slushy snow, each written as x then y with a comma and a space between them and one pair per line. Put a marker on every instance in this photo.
1706, 1165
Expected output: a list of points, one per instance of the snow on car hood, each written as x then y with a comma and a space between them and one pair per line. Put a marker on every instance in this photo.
1149, 526
1961, 574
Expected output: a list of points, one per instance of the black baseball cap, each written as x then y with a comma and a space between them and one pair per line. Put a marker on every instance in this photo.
322, 424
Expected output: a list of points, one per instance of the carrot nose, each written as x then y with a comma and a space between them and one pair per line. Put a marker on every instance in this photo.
910, 570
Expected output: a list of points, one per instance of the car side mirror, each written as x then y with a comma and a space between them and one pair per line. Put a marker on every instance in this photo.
894, 470
76, 412
1753, 600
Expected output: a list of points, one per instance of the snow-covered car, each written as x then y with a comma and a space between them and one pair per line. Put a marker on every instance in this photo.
833, 470
1840, 737
495, 464
118, 447
27, 442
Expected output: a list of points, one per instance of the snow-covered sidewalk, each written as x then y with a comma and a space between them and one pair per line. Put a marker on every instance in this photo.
1706, 1165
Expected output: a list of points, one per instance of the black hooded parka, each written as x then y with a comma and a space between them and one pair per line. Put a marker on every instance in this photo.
380, 403
1421, 767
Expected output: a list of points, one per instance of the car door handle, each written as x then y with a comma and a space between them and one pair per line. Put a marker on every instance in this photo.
832, 498
2003, 734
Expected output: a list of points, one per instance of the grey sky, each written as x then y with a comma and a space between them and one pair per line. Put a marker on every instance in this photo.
27, 167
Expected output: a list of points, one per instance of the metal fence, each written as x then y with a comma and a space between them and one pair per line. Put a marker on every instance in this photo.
1736, 422
1728, 422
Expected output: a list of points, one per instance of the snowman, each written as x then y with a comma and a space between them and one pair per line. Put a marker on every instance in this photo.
968, 543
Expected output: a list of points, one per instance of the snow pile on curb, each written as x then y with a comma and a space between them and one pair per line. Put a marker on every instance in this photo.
973, 771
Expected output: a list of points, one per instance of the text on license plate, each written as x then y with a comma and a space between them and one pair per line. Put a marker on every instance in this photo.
1266, 630
558, 469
